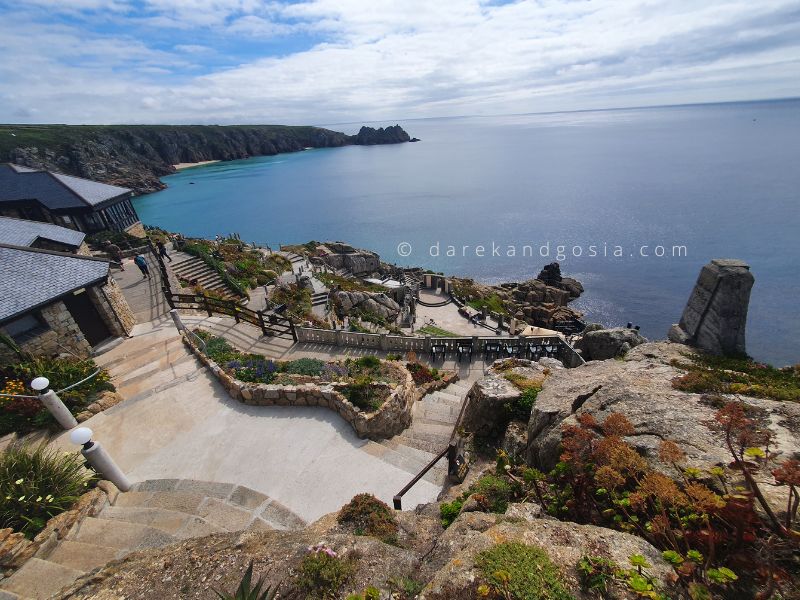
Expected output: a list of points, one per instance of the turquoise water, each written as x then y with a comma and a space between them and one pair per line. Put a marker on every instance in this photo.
721, 180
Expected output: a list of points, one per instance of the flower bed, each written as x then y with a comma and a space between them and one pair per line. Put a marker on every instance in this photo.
22, 415
374, 396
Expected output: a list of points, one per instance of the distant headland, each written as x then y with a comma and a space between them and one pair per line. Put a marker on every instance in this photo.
136, 156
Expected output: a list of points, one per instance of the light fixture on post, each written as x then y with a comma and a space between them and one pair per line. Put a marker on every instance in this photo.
101, 460
53, 403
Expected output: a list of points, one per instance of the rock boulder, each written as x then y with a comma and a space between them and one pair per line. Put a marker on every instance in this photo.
608, 343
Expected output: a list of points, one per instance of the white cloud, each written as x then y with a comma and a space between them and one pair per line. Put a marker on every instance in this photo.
394, 59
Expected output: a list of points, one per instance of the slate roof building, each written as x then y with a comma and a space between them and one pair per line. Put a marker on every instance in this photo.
79, 204
55, 302
36, 234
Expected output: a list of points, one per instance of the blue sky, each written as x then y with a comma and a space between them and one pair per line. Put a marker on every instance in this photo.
322, 61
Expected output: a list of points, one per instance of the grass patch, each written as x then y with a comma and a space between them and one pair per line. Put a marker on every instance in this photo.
737, 375
521, 572
36, 484
434, 331
492, 303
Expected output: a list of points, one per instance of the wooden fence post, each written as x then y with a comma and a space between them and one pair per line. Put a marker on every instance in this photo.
206, 304
261, 322
294, 333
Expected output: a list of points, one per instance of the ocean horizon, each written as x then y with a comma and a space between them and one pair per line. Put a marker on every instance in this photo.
692, 182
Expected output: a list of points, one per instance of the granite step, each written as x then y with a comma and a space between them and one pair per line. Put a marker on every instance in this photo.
179, 524
406, 461
40, 579
120, 534
82, 556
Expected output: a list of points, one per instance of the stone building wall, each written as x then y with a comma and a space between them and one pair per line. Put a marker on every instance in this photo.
63, 335
112, 306
83, 250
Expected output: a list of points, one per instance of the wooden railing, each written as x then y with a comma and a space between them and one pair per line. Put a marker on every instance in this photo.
271, 324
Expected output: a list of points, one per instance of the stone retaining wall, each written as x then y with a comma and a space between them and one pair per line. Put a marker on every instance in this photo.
390, 419
16, 549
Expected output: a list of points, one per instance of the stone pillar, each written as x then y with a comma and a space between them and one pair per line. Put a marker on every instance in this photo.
512, 326
716, 314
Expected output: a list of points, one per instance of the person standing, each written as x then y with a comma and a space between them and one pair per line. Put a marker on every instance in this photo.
116, 254
142, 264
162, 250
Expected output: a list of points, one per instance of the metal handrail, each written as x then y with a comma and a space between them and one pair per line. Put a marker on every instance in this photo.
199, 339
397, 500
69, 387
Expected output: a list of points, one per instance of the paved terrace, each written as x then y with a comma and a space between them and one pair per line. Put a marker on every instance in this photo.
178, 422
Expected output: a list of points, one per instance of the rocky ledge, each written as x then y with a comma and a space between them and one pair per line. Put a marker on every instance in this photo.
422, 561
136, 156
640, 387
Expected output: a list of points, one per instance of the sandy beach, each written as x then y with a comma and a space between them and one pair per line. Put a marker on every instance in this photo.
188, 165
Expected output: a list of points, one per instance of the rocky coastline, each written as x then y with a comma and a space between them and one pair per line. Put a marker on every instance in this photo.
137, 156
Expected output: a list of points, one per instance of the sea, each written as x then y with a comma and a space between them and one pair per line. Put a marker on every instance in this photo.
631, 202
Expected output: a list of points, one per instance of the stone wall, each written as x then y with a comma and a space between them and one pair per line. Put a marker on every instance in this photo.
16, 549
62, 335
83, 249
389, 420
136, 230
112, 306
716, 314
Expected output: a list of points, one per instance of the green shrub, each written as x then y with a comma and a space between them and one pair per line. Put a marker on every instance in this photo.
520, 572
362, 393
368, 362
22, 415
520, 408
120, 238
37, 484
492, 493
322, 572
248, 590
369, 516
312, 367
449, 511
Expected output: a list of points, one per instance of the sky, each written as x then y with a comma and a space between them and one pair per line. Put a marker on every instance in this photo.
336, 61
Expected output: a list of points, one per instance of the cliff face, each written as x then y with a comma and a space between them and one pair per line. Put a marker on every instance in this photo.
136, 156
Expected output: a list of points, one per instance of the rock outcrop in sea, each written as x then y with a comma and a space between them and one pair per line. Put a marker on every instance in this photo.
137, 156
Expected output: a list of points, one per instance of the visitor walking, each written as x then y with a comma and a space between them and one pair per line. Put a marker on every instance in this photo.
162, 250
142, 264
115, 252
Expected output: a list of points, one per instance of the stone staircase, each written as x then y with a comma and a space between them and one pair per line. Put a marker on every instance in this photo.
294, 258
154, 514
433, 420
192, 268
149, 362
319, 299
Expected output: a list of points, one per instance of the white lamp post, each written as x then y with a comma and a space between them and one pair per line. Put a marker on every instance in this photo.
97, 456
53, 403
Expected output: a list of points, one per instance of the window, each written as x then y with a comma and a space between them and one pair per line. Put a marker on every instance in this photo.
25, 327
